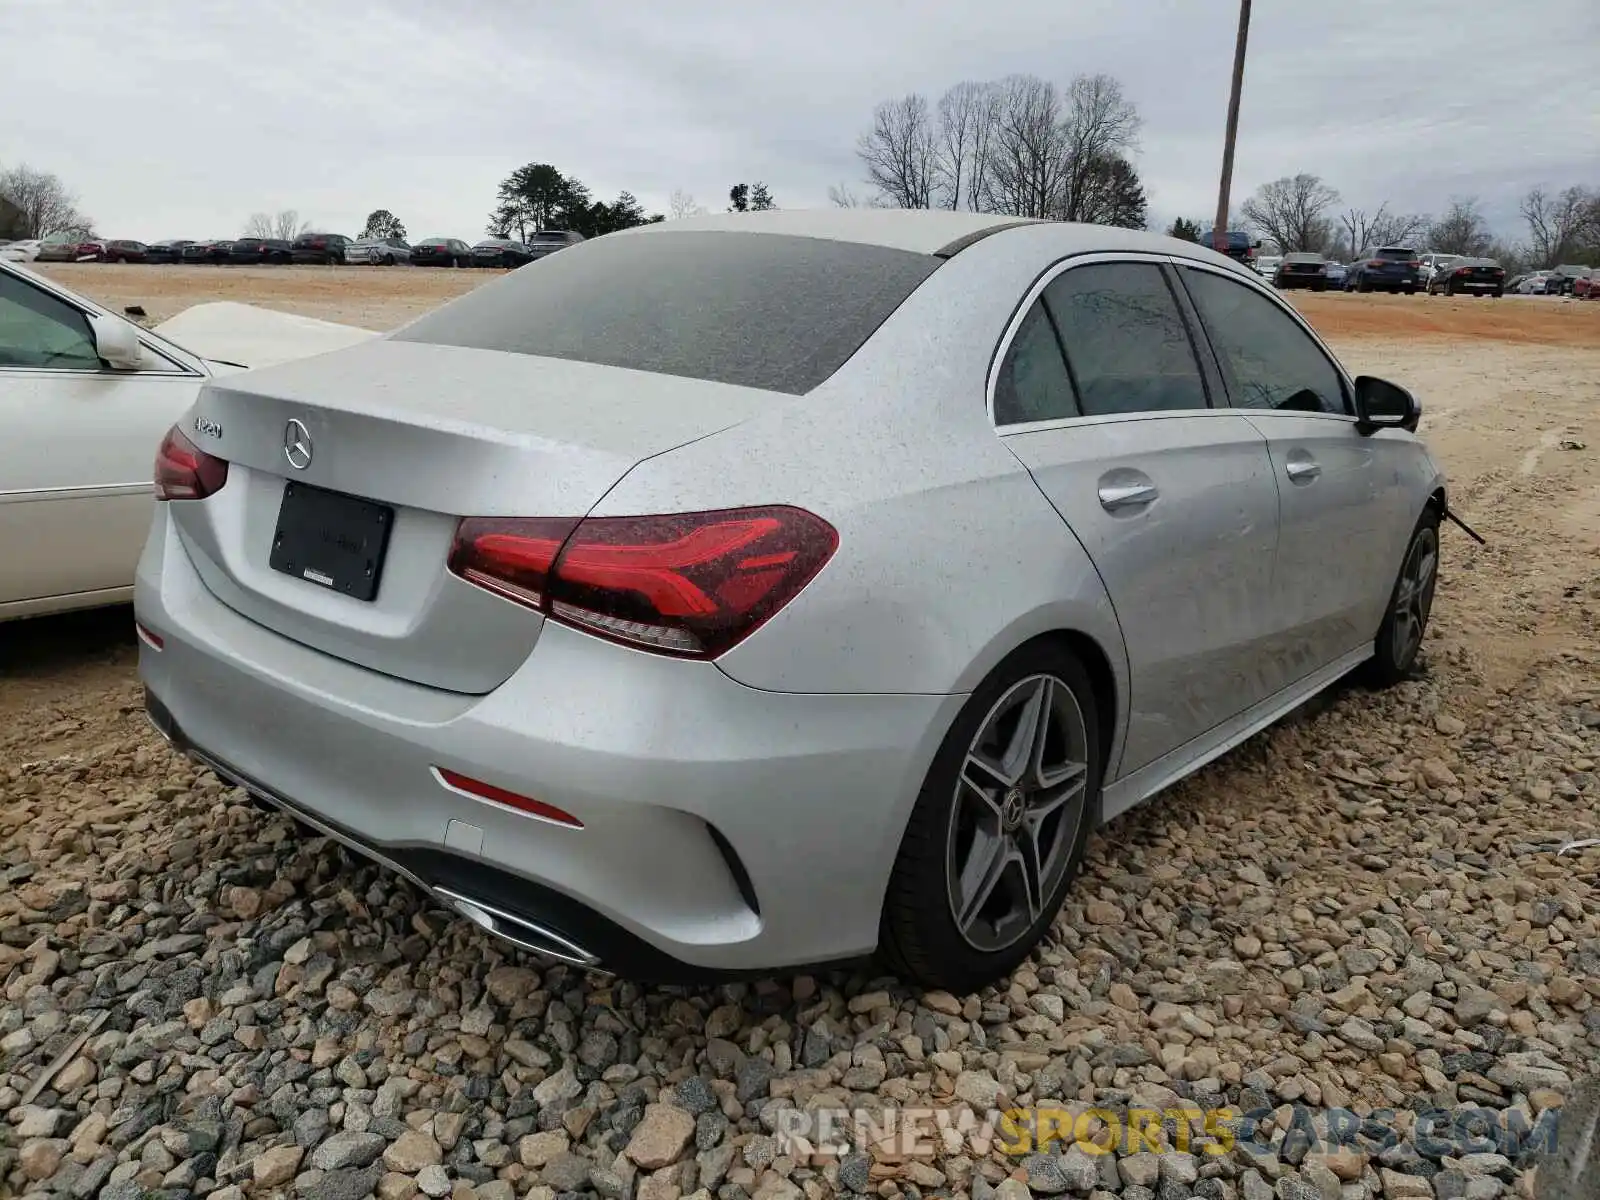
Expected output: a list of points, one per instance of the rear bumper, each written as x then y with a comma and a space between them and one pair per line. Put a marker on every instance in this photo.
726, 829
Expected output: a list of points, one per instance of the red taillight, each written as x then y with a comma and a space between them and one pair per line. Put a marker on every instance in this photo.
511, 556
1463, 271
1377, 262
1414, 263
499, 795
688, 584
186, 472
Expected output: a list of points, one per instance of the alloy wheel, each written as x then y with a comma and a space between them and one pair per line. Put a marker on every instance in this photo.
1414, 597
1020, 801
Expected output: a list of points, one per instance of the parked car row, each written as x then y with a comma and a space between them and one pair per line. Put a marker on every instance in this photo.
332, 249
1566, 280
1389, 268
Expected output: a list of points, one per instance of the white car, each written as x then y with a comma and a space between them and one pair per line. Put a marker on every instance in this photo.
85, 398
1432, 263
384, 252
23, 251
1267, 265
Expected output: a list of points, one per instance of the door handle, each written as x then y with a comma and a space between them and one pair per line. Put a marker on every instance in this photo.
1126, 495
1303, 471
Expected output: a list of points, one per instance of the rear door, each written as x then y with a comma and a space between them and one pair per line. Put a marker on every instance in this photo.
79, 444
1341, 498
1101, 395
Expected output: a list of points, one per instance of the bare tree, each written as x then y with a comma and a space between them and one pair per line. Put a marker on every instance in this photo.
899, 152
965, 133
1382, 228
47, 207
1461, 230
682, 204
840, 195
284, 225
1292, 212
1027, 163
1099, 127
1558, 224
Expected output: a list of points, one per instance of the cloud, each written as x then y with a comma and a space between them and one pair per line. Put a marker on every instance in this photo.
180, 119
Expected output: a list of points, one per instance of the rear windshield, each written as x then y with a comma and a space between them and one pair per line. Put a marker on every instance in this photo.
1396, 253
1302, 257
755, 310
552, 236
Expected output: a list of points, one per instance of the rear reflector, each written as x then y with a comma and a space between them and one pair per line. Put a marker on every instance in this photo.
186, 472
153, 640
457, 782
687, 584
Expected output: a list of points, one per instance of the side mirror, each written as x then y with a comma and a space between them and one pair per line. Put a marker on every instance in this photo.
1384, 405
1258, 243
116, 343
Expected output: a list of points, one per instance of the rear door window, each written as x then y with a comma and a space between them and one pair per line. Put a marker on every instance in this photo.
1127, 347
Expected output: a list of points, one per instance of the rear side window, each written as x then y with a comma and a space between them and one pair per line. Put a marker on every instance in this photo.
1268, 361
1126, 344
1033, 384
755, 310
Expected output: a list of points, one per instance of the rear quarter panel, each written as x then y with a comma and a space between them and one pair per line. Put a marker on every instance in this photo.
949, 555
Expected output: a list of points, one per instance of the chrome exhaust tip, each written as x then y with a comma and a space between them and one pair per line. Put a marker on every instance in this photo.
519, 931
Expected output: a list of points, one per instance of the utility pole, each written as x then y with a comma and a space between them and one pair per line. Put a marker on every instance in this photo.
1219, 230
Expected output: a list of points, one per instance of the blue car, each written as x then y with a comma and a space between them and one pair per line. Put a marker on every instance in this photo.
1387, 269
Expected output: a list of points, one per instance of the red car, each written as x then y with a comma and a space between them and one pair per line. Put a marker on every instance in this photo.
1586, 287
126, 252
94, 250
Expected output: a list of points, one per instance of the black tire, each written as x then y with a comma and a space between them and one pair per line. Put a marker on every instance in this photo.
919, 938
1363, 286
1393, 658
1449, 289
1498, 292
1319, 286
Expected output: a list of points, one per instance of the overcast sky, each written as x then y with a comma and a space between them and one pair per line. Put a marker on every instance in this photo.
179, 118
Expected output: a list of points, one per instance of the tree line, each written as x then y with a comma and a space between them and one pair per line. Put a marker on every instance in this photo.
1304, 213
1019, 145
1022, 146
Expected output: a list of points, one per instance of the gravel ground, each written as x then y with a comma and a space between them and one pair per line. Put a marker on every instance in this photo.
1359, 909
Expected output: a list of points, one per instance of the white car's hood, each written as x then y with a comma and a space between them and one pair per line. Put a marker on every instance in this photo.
249, 336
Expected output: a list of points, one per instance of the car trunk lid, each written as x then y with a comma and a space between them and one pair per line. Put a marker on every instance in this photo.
324, 453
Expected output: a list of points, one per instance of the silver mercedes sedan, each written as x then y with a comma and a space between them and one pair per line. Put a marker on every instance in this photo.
762, 590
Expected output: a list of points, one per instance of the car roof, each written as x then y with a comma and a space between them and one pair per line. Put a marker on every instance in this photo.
919, 231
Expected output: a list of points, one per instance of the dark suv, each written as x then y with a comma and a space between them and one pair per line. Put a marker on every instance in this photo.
320, 248
1389, 268
1240, 245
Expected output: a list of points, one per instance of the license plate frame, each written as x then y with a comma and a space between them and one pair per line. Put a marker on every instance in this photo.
332, 540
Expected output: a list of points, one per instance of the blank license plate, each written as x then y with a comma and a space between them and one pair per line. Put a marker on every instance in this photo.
332, 540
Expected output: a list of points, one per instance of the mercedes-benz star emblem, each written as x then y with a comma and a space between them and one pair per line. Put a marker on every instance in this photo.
297, 445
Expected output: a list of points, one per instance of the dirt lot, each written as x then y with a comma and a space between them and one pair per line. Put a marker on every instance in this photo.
1357, 907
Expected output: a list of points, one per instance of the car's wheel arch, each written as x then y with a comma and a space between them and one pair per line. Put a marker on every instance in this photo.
1104, 659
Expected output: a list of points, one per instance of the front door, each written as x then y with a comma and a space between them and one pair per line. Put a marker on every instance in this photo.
79, 448
1341, 499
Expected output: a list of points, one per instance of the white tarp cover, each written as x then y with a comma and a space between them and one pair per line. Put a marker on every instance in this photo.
256, 337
